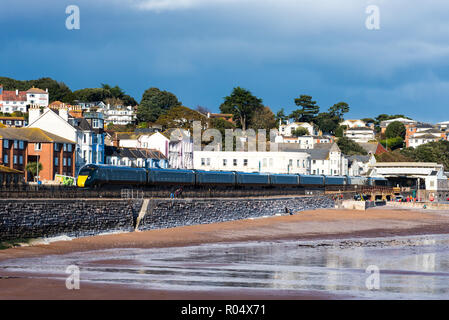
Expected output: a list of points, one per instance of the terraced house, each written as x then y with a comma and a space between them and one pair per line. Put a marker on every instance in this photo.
19, 146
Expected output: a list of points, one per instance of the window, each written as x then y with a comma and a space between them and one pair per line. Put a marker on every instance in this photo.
20, 159
297, 163
56, 146
21, 144
69, 148
16, 144
15, 159
38, 146
245, 162
270, 162
5, 144
208, 161
65, 147
69, 161
290, 162
203, 162
234, 162
84, 155
84, 138
56, 161
264, 162
64, 161
225, 162
314, 161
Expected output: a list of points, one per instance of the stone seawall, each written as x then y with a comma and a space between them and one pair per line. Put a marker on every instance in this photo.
168, 214
20, 219
26, 218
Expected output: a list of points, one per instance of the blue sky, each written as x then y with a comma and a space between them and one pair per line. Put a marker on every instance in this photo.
278, 49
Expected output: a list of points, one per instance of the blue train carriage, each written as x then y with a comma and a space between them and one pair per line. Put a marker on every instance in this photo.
171, 177
226, 178
377, 181
92, 175
311, 180
335, 180
358, 181
252, 179
284, 179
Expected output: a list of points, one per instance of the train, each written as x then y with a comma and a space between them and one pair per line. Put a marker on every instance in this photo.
95, 176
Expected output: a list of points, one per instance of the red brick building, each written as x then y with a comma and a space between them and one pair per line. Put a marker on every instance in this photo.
19, 146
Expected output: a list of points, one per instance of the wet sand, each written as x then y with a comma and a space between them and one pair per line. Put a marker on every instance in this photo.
318, 224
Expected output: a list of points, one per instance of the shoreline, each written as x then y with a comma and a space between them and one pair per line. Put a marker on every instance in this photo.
321, 224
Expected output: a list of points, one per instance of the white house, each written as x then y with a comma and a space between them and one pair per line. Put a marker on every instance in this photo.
288, 129
359, 165
360, 134
136, 158
118, 115
272, 162
405, 122
12, 101
304, 142
154, 140
327, 159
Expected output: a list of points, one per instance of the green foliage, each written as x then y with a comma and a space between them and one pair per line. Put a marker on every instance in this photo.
309, 109
430, 152
340, 131
349, 147
263, 118
339, 109
327, 122
242, 104
281, 116
155, 103
393, 143
56, 90
393, 156
299, 132
181, 117
92, 94
395, 129
32, 168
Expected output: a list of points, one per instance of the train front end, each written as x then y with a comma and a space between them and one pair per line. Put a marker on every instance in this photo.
86, 176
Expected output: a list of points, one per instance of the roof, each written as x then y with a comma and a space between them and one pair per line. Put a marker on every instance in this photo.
31, 135
403, 120
407, 164
358, 158
11, 96
360, 129
426, 136
4, 169
133, 153
36, 90
369, 147
12, 118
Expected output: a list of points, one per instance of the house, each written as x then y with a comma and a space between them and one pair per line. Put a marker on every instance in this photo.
374, 148
422, 138
304, 142
406, 122
252, 161
120, 115
89, 105
289, 128
15, 122
155, 140
87, 132
13, 101
360, 134
421, 133
327, 159
180, 153
353, 123
136, 158
19, 146
359, 165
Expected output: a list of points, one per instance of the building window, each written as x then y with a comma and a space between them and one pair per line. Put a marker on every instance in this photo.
264, 162
21, 144
69, 148
65, 147
208, 161
69, 161
297, 163
270, 162
64, 162
203, 162
16, 144
225, 162
56, 161
84, 155
38, 146
84, 138
15, 159
5, 144
245, 162
56, 146
20, 159
234, 162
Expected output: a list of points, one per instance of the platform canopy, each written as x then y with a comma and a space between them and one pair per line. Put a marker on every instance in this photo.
407, 169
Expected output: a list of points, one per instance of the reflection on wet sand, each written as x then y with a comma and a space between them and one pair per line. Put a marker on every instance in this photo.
410, 267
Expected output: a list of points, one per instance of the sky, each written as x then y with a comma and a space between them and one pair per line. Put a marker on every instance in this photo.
278, 49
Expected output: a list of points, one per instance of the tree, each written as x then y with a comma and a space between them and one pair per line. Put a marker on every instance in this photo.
32, 167
242, 104
437, 152
281, 117
340, 131
309, 109
349, 147
339, 109
395, 129
299, 132
326, 122
263, 119
203, 110
181, 117
155, 103
92, 94
393, 143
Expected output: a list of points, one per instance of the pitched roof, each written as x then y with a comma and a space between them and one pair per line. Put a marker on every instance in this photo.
11, 96
133, 153
36, 90
31, 135
4, 169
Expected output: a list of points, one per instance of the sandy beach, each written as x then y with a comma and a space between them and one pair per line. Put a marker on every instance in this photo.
317, 224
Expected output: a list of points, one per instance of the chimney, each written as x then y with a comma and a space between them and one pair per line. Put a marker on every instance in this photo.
33, 113
17, 92
64, 113
46, 90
